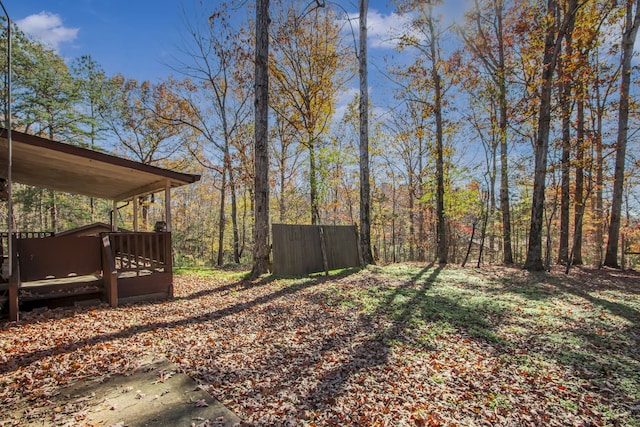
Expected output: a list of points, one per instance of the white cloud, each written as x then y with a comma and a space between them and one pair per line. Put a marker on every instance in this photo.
47, 28
342, 103
384, 30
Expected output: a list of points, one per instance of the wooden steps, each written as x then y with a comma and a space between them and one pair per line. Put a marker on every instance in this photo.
66, 287
51, 293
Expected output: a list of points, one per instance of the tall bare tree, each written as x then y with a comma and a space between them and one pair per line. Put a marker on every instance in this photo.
565, 68
216, 106
632, 21
485, 36
557, 26
443, 246
261, 146
365, 191
424, 36
308, 70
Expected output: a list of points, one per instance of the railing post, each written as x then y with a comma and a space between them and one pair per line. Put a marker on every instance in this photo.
168, 260
135, 252
109, 273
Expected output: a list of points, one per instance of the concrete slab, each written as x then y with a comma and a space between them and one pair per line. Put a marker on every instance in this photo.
154, 395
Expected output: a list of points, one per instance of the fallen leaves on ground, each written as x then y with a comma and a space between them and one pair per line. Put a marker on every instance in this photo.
405, 345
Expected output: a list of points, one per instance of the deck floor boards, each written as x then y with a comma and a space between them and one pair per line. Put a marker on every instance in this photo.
71, 281
61, 287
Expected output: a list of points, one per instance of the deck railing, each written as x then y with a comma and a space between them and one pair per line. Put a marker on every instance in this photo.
141, 252
4, 243
4, 238
27, 234
129, 262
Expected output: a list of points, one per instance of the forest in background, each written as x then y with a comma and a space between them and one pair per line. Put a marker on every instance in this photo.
513, 122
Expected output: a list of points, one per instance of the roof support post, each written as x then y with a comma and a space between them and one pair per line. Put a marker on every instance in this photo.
10, 246
167, 205
114, 216
136, 201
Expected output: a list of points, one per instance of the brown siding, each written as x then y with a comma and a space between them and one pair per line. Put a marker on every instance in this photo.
58, 257
144, 285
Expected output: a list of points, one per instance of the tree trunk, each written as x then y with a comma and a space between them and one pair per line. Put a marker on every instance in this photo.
313, 184
393, 220
442, 251
565, 162
42, 218
599, 211
244, 221
599, 172
576, 258
507, 252
365, 191
422, 235
221, 218
552, 43
483, 234
145, 211
491, 200
234, 214
534, 252
473, 234
54, 211
281, 202
412, 217
261, 147
628, 40
494, 63
282, 207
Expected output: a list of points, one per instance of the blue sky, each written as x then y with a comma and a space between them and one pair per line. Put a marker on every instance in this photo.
139, 38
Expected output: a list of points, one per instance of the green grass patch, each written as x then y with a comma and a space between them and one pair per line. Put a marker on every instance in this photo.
213, 273
539, 321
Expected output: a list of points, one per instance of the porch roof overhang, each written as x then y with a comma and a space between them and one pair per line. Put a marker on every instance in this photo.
44, 163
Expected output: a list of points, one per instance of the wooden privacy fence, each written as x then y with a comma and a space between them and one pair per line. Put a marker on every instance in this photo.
302, 249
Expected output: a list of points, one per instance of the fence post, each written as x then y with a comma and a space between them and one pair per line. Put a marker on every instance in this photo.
360, 259
323, 249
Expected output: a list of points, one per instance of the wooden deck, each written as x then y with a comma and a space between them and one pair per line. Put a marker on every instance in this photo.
58, 166
55, 271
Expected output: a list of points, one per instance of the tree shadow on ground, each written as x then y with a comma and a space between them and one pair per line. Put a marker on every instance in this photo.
593, 325
541, 286
300, 285
407, 306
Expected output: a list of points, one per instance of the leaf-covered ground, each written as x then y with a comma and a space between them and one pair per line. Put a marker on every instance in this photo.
399, 345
